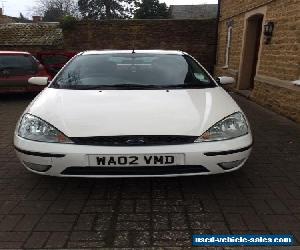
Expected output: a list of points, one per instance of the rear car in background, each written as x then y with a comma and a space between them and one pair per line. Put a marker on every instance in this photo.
15, 70
53, 61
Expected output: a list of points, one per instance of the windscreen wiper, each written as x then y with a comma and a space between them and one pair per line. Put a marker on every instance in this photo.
188, 85
130, 86
134, 86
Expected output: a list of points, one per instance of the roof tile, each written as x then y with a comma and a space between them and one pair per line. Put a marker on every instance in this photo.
40, 34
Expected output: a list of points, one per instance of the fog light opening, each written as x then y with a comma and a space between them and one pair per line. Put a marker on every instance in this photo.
37, 167
230, 164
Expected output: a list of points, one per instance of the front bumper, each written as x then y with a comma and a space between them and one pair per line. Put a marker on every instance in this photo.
67, 160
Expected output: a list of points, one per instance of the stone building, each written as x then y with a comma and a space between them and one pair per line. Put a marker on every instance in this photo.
258, 44
6, 19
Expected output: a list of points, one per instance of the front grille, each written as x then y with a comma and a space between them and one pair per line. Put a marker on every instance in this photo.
150, 170
134, 140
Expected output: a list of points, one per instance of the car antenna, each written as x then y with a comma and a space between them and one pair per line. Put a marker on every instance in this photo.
133, 44
133, 47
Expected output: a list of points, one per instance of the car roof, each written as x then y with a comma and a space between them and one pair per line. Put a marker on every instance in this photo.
166, 52
15, 52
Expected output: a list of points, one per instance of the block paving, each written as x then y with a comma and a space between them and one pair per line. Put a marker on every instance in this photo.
59, 213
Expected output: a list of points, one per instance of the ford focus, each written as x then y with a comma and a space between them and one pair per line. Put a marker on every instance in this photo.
132, 114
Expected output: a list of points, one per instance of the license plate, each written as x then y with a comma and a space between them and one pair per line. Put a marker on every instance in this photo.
136, 160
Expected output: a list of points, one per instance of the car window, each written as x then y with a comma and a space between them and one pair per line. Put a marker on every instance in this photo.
133, 70
17, 65
197, 71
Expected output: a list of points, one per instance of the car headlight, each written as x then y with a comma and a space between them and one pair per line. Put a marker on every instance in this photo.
230, 127
35, 129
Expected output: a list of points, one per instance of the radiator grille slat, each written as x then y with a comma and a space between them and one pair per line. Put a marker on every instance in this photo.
134, 140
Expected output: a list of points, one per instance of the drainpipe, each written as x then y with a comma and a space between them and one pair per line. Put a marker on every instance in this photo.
217, 34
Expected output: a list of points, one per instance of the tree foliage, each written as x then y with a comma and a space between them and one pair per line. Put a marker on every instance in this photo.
55, 10
106, 9
53, 14
151, 9
68, 22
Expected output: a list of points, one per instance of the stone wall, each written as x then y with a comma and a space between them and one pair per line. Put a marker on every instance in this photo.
281, 58
231, 8
285, 101
278, 62
197, 37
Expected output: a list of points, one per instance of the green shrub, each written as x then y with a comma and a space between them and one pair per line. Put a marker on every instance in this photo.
68, 22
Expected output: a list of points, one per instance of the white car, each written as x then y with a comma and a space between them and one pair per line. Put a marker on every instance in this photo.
132, 114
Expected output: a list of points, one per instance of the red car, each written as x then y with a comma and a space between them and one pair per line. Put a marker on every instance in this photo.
15, 70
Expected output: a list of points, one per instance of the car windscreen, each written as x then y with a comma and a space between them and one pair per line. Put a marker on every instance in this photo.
132, 70
13, 65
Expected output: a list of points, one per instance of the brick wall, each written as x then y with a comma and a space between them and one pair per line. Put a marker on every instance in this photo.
197, 37
278, 62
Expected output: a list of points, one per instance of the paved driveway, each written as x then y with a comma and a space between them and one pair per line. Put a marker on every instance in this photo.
45, 212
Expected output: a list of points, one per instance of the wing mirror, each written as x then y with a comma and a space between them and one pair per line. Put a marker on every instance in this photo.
223, 80
41, 80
